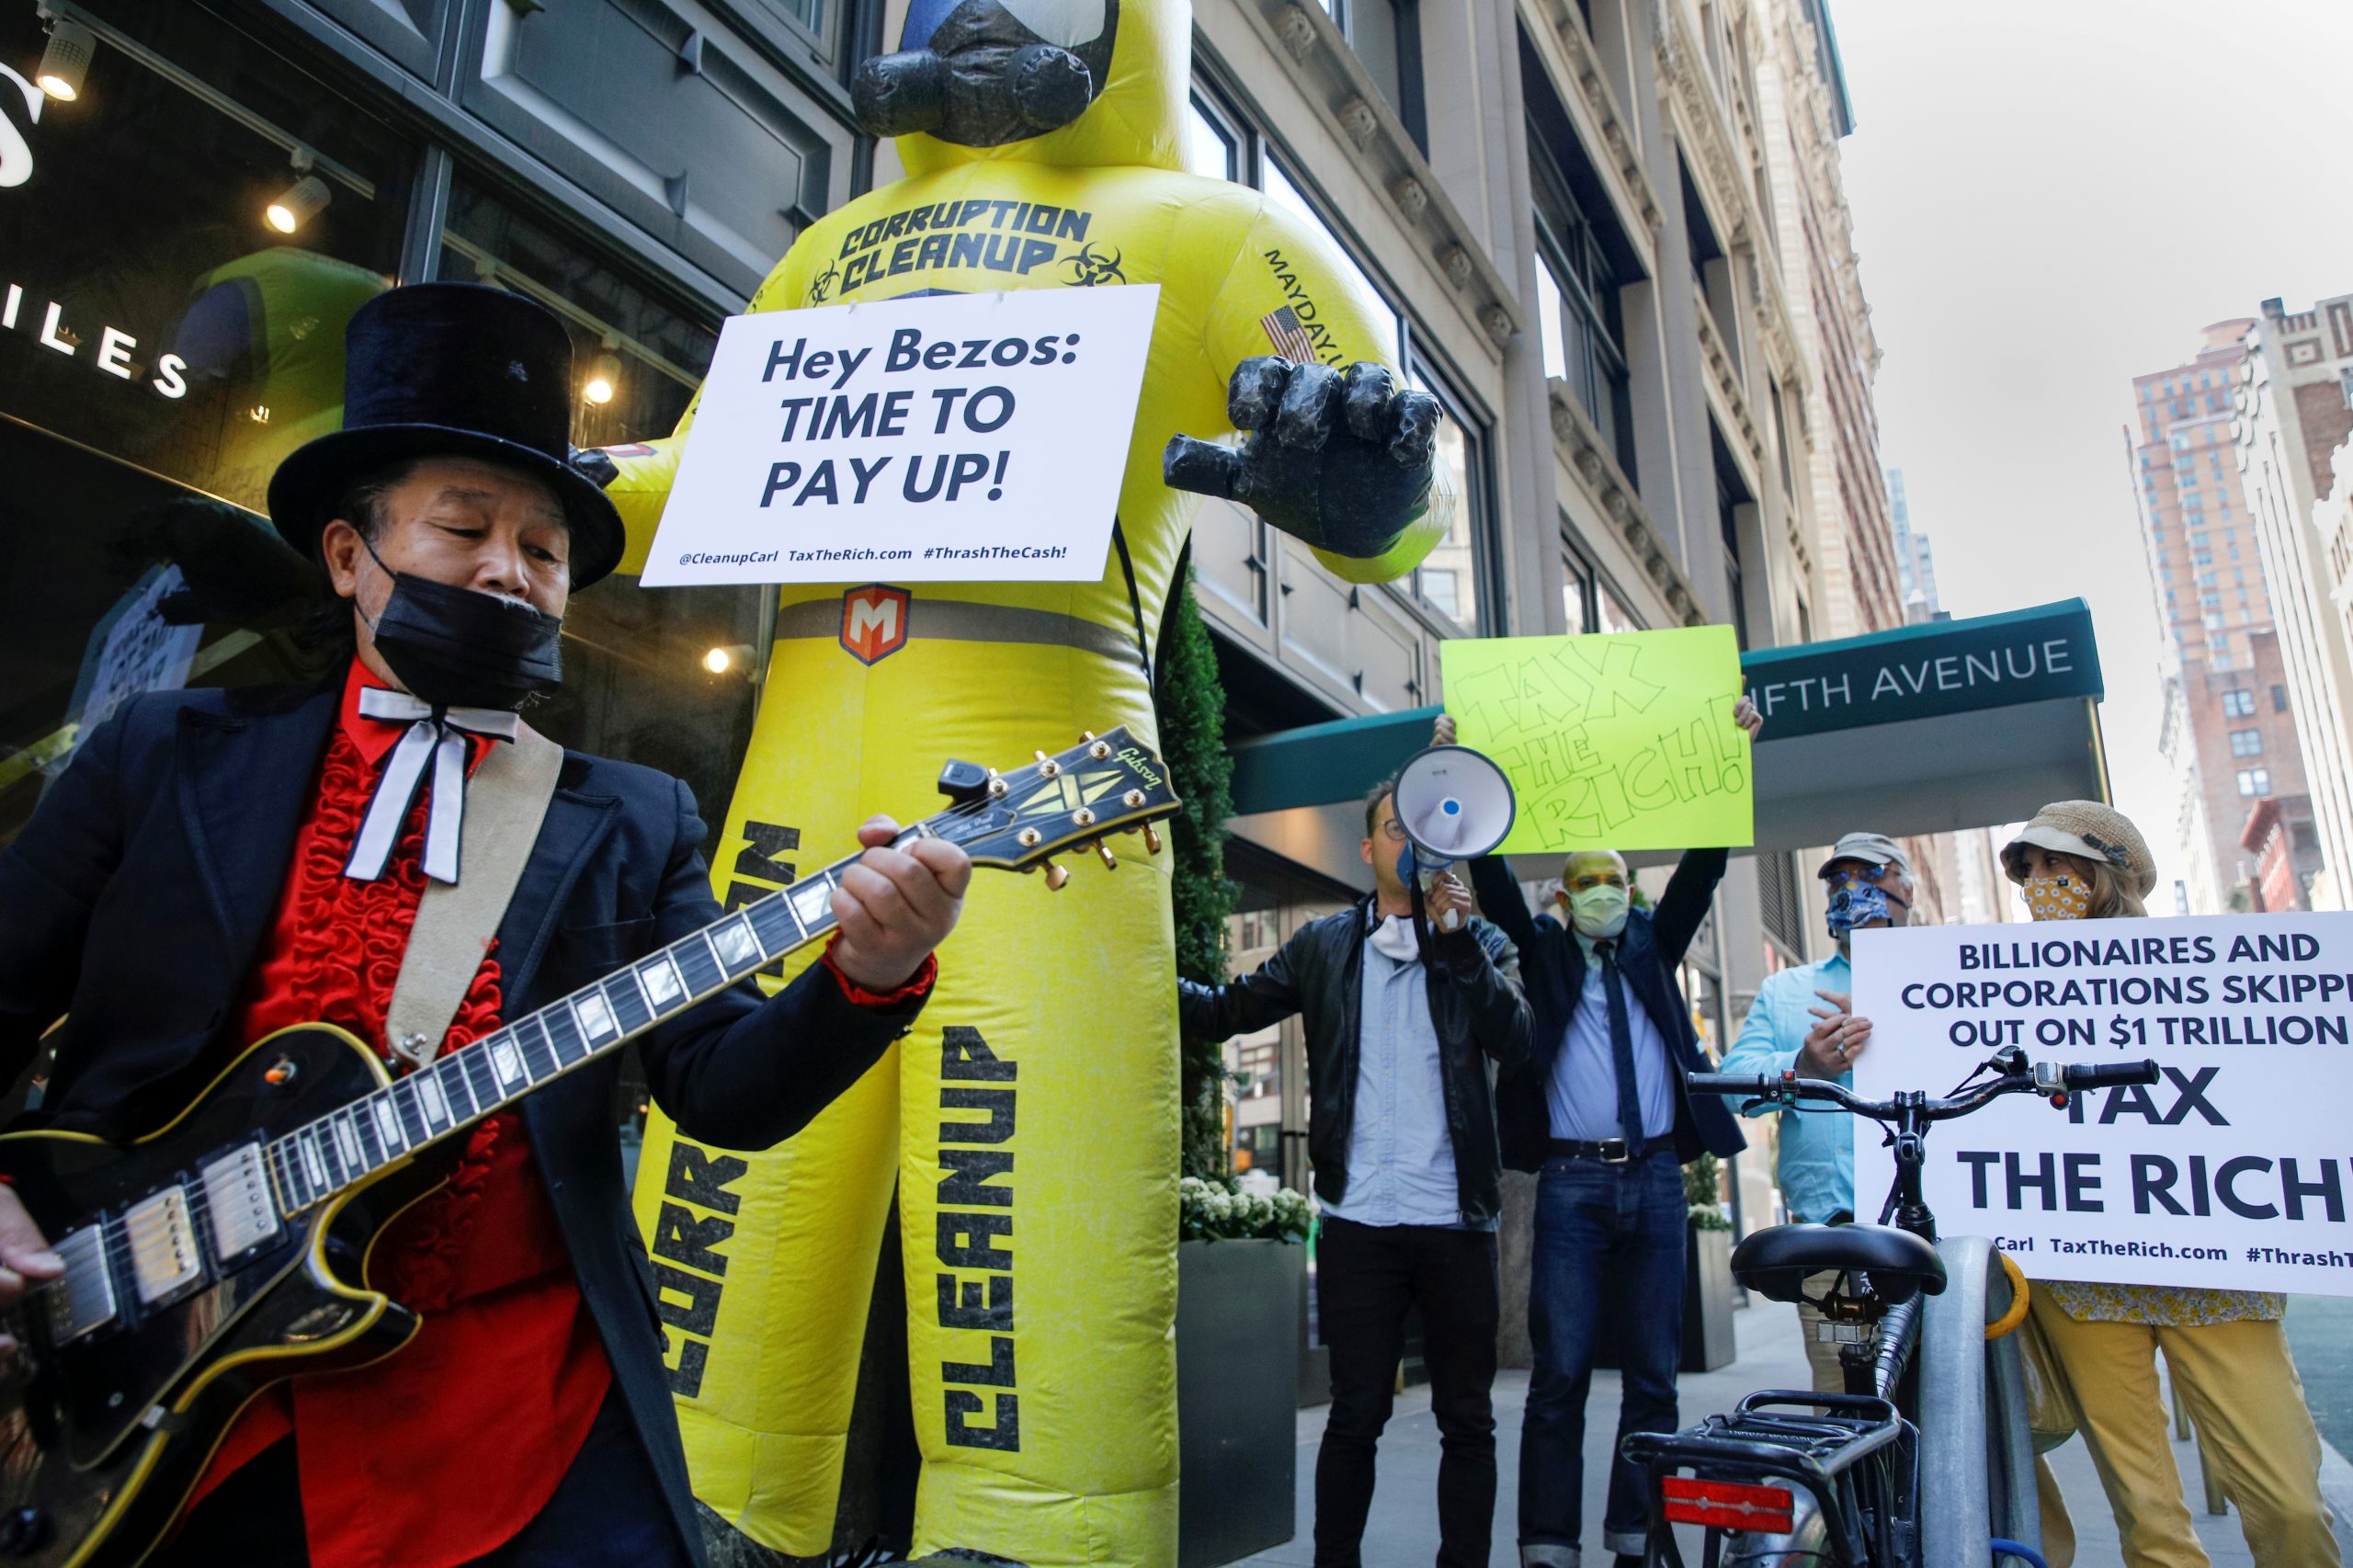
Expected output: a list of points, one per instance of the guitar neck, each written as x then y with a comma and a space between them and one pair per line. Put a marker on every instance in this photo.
380, 1130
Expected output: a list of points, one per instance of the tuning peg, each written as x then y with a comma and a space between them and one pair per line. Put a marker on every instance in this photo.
1055, 877
1086, 734
1151, 839
1110, 861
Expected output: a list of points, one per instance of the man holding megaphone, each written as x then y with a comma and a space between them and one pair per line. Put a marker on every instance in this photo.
1408, 1016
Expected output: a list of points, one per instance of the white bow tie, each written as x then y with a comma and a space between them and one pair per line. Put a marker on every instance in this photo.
436, 735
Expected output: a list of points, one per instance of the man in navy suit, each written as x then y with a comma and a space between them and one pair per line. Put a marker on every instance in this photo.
1600, 1113
216, 865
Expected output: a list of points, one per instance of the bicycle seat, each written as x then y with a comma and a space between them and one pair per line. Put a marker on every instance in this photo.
1775, 1262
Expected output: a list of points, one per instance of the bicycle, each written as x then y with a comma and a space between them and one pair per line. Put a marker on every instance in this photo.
1924, 1462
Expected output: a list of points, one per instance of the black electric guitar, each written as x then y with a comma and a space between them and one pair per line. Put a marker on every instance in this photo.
229, 1250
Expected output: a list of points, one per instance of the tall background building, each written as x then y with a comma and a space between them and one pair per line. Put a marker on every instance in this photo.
2227, 730
2292, 416
1916, 562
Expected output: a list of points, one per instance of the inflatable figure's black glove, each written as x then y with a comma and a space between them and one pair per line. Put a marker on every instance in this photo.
1340, 460
236, 571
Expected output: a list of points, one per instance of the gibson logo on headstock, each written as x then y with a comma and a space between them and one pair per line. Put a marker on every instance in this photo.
1145, 765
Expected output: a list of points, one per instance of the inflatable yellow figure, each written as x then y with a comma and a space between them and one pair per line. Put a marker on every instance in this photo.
1029, 1124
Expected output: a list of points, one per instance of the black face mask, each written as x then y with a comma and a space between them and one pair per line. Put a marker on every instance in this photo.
457, 648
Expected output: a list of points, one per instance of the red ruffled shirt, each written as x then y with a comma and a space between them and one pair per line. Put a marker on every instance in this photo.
492, 1398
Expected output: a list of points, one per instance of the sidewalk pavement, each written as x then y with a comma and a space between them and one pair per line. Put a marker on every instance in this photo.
1403, 1530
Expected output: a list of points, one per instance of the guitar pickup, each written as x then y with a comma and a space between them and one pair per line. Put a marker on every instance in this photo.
236, 1194
81, 1302
165, 1259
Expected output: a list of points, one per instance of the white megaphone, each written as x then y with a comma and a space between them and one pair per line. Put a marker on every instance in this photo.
1454, 803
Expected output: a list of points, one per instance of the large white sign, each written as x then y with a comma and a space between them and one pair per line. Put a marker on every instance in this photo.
2230, 1170
949, 438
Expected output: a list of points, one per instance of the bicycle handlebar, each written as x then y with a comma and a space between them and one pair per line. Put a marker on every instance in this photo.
2112, 1074
2045, 1078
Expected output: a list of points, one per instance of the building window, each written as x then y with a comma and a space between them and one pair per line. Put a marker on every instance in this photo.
1610, 612
1731, 495
1448, 580
1583, 262
1450, 583
1387, 37
2246, 742
165, 341
2239, 703
1578, 612
2254, 782
2278, 700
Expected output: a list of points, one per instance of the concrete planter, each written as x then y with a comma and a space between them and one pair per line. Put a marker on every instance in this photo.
1237, 1373
1707, 1302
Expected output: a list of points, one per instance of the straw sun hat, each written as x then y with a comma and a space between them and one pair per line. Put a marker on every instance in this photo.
2089, 829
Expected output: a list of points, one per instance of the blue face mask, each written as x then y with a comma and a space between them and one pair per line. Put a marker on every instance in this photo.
1858, 903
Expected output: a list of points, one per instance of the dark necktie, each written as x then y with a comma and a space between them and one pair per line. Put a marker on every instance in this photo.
1621, 1049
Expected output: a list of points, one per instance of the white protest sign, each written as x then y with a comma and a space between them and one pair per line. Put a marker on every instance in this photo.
949, 438
2230, 1172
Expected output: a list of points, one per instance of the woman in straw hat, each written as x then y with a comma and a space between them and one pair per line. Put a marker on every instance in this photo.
2082, 860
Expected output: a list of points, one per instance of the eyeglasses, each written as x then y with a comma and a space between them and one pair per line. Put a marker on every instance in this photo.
1393, 830
1873, 875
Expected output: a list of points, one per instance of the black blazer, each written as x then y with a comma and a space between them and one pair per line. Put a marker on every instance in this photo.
133, 901
1552, 969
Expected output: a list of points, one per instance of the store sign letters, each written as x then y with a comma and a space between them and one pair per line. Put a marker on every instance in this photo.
2233, 1171
951, 437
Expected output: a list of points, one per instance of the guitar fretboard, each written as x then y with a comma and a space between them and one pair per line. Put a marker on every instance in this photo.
315, 1161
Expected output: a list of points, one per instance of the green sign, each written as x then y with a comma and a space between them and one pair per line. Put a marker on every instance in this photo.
1618, 741
1919, 672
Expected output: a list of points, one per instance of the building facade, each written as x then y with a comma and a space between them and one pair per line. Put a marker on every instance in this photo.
2292, 410
1915, 561
2227, 732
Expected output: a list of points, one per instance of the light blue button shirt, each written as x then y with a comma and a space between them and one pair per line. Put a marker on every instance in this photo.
1817, 1171
1582, 1093
1401, 1159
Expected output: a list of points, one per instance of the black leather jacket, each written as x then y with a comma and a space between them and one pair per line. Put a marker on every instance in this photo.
1475, 1006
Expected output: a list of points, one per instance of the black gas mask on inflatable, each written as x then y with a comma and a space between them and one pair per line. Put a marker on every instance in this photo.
983, 72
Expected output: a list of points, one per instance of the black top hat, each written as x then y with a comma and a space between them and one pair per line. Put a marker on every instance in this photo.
451, 369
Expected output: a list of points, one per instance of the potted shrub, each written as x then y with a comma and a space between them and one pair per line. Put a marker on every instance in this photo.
1240, 1272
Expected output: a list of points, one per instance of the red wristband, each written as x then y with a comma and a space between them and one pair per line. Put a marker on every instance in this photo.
919, 986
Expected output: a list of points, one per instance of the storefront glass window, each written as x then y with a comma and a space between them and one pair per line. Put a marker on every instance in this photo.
186, 239
667, 677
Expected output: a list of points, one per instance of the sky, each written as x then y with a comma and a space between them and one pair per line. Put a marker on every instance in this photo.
2052, 197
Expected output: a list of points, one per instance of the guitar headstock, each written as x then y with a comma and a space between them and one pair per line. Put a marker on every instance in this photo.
1018, 820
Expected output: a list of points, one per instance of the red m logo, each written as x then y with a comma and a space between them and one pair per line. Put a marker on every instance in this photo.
874, 621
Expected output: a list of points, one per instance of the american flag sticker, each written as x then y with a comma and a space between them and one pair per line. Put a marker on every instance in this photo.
1290, 340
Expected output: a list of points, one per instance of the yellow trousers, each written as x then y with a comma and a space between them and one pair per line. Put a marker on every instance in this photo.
2242, 1391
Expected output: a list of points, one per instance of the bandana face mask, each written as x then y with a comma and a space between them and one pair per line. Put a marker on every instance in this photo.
1858, 903
2062, 897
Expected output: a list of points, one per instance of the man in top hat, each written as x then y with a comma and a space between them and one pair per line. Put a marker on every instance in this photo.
215, 866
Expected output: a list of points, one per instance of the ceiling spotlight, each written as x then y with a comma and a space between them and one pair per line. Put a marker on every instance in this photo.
303, 200
603, 377
66, 60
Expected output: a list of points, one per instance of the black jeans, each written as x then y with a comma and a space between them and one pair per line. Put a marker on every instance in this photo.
1609, 1240
1367, 1277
